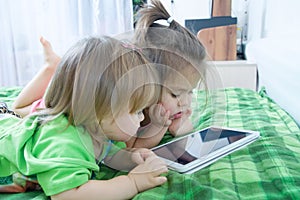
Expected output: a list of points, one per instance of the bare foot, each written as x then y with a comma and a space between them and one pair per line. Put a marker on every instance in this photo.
51, 58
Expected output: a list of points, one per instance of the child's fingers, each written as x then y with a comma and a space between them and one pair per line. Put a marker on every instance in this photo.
189, 112
159, 110
159, 180
155, 111
159, 115
157, 165
140, 155
137, 158
150, 170
161, 170
167, 121
163, 112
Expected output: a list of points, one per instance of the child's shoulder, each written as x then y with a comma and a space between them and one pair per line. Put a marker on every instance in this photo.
59, 133
40, 127
59, 127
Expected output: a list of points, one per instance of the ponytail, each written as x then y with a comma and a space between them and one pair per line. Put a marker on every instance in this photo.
174, 37
151, 13
172, 45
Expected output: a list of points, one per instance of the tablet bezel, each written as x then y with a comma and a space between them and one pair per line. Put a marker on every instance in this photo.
200, 163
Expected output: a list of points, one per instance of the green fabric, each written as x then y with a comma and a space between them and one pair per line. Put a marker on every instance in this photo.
115, 147
269, 168
61, 156
8, 95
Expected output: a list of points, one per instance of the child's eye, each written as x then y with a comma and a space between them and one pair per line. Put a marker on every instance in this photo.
174, 95
191, 92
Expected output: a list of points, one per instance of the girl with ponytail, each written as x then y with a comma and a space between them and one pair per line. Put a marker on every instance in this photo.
180, 59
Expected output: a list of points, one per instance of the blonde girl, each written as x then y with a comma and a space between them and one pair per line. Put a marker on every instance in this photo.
177, 54
95, 98
180, 57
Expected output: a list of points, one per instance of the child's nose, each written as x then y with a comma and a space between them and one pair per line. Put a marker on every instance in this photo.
183, 101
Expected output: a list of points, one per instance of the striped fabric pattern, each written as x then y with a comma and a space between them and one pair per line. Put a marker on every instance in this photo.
269, 168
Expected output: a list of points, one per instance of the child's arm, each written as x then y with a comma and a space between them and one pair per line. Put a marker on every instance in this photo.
33, 91
128, 158
144, 176
121, 187
151, 134
36, 88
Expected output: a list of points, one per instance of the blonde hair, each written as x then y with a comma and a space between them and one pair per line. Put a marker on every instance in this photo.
173, 46
98, 78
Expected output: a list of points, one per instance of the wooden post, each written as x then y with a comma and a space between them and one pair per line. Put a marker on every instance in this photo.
221, 8
220, 41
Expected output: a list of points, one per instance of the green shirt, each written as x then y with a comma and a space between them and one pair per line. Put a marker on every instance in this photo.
61, 156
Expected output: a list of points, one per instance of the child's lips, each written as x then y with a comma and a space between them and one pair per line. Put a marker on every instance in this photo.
176, 116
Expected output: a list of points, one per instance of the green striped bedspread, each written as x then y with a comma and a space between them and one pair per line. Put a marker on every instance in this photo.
269, 168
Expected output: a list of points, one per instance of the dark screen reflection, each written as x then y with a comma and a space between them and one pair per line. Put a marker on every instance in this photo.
198, 145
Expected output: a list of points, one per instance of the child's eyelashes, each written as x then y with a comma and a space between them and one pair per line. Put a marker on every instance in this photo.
175, 95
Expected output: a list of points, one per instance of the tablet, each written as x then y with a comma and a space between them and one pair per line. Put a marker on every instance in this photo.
197, 150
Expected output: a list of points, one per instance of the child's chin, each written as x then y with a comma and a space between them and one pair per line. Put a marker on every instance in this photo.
176, 123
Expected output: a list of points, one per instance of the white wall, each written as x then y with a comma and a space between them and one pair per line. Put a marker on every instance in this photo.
188, 9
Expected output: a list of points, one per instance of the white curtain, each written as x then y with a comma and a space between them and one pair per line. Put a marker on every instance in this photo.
62, 22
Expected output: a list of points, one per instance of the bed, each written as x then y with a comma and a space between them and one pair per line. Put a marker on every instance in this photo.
273, 44
266, 169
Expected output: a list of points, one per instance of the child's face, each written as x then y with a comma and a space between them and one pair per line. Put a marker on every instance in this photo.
176, 97
123, 126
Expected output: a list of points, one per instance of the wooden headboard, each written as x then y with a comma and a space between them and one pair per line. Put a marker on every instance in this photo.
218, 34
220, 41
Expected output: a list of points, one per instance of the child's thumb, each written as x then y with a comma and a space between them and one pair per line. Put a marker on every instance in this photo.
160, 180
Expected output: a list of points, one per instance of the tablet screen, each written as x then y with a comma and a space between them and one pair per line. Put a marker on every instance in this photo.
199, 144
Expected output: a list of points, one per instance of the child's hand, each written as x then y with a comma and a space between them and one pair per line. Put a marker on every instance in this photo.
140, 155
147, 174
159, 116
